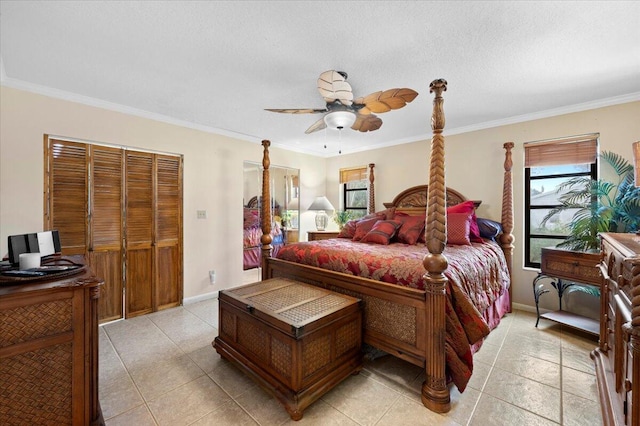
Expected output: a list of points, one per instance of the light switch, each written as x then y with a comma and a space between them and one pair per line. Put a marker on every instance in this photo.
202, 214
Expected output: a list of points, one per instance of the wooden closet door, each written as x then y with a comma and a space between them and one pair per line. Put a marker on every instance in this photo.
105, 228
139, 220
168, 233
67, 191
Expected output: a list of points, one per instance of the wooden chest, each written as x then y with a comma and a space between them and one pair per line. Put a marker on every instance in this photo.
297, 341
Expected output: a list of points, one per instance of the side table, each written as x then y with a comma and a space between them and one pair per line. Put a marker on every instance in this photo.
321, 235
568, 271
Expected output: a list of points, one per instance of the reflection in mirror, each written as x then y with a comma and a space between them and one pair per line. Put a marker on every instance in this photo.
285, 210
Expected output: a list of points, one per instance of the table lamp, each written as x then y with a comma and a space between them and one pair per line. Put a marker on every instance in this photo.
321, 205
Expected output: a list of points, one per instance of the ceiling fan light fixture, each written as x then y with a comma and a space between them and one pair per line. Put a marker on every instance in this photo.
339, 119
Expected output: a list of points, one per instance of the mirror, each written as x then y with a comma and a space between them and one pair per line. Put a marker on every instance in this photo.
285, 210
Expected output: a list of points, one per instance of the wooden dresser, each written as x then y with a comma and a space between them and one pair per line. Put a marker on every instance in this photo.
49, 349
617, 358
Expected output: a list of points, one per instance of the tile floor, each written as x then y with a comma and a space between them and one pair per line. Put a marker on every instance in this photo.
160, 369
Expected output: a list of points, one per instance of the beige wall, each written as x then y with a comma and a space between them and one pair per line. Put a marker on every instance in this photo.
213, 172
474, 166
213, 176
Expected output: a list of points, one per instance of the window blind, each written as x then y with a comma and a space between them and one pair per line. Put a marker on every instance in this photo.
573, 150
353, 174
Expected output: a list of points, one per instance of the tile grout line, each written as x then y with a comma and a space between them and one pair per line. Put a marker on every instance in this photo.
232, 400
144, 400
484, 384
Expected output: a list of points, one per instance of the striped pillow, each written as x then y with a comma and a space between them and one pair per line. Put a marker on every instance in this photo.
382, 232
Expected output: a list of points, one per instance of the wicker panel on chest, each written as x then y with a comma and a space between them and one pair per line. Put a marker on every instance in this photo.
49, 351
296, 340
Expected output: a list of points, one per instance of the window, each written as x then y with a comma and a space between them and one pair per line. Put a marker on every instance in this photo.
354, 190
548, 164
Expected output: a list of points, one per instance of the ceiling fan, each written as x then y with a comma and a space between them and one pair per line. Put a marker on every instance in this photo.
343, 111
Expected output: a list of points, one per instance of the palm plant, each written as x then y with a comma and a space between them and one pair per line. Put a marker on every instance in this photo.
602, 206
342, 217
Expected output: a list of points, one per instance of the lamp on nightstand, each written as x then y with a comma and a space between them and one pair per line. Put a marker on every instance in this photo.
321, 205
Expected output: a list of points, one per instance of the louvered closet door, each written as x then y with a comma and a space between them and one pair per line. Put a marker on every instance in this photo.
139, 220
105, 228
168, 233
67, 189
123, 210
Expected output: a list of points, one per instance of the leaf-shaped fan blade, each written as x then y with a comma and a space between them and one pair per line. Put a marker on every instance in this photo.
318, 125
298, 111
366, 123
380, 102
333, 86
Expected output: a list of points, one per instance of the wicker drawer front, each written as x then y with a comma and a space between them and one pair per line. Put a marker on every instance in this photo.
38, 385
569, 265
29, 322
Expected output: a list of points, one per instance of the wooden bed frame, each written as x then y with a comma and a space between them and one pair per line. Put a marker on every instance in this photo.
404, 322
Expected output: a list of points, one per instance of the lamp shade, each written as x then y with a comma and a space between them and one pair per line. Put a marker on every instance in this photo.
339, 119
636, 162
321, 203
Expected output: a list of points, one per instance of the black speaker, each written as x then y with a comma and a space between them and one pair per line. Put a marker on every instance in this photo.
28, 243
18, 244
56, 241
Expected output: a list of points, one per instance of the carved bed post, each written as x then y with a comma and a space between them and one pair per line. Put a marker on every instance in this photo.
265, 209
372, 191
435, 394
507, 238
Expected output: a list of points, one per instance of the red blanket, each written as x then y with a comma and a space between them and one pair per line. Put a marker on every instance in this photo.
477, 275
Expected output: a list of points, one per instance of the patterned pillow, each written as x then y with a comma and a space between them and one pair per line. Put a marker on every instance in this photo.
411, 229
363, 226
348, 230
379, 215
468, 207
382, 232
458, 228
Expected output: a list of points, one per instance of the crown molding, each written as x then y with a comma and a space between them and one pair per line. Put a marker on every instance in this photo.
600, 103
111, 106
98, 103
569, 109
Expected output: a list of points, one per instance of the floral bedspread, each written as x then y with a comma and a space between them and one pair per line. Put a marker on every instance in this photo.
477, 275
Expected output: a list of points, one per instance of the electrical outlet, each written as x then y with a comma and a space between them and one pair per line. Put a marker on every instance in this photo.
202, 214
212, 277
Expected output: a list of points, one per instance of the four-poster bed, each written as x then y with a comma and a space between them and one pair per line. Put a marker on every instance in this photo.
409, 323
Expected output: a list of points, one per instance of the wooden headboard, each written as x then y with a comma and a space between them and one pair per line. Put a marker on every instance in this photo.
414, 199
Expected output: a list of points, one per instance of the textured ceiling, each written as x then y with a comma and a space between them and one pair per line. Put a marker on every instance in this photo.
217, 65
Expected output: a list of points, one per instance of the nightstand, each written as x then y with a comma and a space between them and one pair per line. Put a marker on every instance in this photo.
564, 269
321, 235
291, 235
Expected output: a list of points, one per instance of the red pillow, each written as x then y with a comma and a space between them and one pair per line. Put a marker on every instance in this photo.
382, 232
379, 215
348, 230
411, 229
363, 226
458, 228
468, 207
